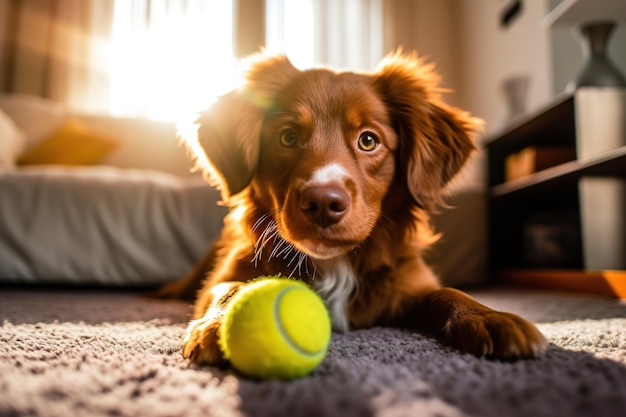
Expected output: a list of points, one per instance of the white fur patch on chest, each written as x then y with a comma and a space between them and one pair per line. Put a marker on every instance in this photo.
335, 281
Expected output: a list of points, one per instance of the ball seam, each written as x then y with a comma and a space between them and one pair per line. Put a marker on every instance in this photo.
283, 331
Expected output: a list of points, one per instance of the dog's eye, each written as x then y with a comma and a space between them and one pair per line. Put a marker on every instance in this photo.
289, 139
368, 141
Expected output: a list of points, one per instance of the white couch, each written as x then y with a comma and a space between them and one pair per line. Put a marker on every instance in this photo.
140, 217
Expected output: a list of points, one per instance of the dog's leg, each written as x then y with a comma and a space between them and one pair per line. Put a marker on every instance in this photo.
471, 327
200, 344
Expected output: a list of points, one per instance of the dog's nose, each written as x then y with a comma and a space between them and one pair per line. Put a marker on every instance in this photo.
324, 205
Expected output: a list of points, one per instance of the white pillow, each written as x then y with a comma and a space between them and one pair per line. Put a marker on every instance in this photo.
37, 117
12, 141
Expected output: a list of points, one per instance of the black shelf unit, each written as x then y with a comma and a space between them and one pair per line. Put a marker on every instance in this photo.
550, 195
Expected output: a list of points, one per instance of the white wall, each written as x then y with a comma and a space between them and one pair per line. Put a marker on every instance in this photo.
489, 54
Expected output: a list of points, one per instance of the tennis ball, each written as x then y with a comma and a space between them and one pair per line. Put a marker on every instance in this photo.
275, 328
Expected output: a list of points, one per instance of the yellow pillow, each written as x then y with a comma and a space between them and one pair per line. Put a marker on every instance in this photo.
72, 143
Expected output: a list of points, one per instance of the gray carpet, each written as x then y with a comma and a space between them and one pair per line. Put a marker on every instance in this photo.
97, 353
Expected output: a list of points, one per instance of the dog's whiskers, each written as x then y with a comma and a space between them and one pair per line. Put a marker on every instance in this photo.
286, 251
301, 259
270, 237
279, 247
269, 233
314, 270
293, 258
308, 260
261, 219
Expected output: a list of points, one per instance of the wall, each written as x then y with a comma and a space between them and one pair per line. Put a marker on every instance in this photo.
5, 21
427, 27
489, 54
431, 28
475, 55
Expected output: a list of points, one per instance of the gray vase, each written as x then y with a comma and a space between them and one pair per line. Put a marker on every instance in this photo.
515, 91
597, 70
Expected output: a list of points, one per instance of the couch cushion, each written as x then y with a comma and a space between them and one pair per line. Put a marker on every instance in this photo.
12, 141
37, 117
71, 143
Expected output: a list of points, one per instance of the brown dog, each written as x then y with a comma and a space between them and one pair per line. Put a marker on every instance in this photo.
330, 177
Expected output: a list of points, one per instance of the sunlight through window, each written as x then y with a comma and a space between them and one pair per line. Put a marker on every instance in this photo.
345, 34
290, 29
172, 58
169, 59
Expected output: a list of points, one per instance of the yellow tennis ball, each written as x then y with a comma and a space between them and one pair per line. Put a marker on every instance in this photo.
275, 328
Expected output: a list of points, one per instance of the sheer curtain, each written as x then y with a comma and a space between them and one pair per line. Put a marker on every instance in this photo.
163, 59
154, 58
55, 49
336, 33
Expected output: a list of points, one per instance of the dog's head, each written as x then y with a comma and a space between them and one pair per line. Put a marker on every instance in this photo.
318, 151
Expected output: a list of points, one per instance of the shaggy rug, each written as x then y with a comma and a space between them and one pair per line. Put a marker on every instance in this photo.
105, 353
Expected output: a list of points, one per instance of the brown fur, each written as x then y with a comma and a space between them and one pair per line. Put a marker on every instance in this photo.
384, 196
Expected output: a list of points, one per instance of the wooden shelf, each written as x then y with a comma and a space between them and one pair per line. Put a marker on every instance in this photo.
550, 125
607, 283
612, 163
575, 12
520, 132
551, 196
543, 220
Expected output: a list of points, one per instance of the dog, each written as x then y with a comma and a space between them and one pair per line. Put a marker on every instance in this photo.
330, 177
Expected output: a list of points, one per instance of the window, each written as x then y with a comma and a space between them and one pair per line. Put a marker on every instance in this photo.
290, 29
335, 33
169, 58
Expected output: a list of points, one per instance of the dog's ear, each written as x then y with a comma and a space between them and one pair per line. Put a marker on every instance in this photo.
224, 140
435, 139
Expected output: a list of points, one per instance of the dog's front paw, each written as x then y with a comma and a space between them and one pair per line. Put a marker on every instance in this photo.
496, 335
200, 345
